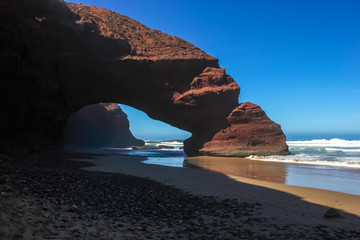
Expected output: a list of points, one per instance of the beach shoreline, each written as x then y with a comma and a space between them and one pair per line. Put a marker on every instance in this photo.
211, 183
33, 191
284, 176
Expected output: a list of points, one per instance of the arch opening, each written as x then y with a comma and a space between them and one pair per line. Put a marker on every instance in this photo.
105, 128
111, 125
146, 128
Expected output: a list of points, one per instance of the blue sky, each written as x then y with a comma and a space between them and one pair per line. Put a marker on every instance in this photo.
299, 60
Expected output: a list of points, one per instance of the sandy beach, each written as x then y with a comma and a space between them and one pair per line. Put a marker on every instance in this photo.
273, 175
119, 197
279, 198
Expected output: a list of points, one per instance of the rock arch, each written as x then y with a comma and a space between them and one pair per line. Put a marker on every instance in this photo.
64, 56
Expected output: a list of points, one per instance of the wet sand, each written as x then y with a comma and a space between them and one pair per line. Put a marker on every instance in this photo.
282, 203
338, 179
241, 167
49, 197
273, 175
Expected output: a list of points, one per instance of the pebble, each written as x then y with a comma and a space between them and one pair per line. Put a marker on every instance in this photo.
332, 213
140, 206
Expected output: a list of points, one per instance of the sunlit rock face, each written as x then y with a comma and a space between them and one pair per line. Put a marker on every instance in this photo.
100, 125
249, 130
58, 57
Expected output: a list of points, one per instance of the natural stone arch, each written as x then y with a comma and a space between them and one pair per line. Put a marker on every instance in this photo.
69, 55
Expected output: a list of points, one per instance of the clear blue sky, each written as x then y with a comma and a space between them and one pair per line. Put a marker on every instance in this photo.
298, 59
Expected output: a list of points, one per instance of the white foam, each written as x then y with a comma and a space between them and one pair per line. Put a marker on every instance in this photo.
335, 142
176, 144
108, 148
353, 162
342, 150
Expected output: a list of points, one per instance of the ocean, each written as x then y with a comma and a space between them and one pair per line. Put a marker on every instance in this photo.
322, 152
332, 164
332, 152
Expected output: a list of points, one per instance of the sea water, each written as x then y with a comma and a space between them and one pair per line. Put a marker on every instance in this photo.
326, 152
323, 152
332, 164
172, 155
167, 157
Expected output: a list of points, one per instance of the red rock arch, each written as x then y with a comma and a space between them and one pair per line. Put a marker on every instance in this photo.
62, 56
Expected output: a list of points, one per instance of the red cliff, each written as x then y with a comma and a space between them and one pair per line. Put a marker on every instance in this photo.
58, 57
250, 131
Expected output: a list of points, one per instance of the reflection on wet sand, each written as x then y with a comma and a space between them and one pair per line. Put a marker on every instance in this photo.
242, 167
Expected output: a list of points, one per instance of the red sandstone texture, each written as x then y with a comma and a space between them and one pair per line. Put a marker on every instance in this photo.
57, 57
250, 132
146, 43
211, 82
100, 125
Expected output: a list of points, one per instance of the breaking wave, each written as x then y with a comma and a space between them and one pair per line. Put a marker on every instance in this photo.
335, 142
342, 150
333, 152
174, 144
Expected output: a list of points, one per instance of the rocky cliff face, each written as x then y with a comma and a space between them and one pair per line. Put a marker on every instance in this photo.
249, 131
58, 57
100, 125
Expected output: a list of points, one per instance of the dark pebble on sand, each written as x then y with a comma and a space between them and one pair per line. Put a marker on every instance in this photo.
140, 205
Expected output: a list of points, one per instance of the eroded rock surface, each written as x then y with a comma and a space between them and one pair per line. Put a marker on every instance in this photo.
100, 125
58, 57
250, 131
